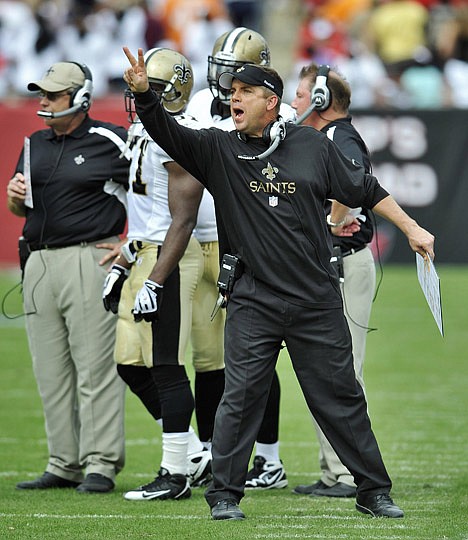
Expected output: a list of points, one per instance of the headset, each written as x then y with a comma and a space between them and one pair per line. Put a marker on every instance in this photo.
273, 134
320, 97
80, 98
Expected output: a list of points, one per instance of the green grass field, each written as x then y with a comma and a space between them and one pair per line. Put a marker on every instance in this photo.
417, 385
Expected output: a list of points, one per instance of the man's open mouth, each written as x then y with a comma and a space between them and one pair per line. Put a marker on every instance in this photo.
238, 114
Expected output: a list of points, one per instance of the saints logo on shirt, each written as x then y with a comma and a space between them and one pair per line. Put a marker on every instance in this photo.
270, 172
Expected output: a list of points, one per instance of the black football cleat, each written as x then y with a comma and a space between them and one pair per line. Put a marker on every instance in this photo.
165, 486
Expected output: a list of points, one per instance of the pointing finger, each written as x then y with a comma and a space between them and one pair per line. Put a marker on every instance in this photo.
141, 58
130, 56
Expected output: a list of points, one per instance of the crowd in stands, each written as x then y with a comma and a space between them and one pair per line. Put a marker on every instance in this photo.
394, 53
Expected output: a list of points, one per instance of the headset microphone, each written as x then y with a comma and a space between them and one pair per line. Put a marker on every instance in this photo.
320, 94
66, 112
276, 134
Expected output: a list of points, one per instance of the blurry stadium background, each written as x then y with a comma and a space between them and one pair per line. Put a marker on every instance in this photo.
406, 62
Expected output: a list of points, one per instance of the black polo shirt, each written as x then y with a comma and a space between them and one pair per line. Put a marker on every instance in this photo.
351, 144
76, 180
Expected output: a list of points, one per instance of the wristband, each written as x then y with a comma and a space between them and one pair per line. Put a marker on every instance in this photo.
121, 269
337, 224
128, 252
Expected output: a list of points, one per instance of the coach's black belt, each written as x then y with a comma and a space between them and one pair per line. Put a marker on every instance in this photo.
352, 251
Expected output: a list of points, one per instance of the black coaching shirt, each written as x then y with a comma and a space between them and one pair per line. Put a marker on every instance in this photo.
271, 210
76, 182
351, 144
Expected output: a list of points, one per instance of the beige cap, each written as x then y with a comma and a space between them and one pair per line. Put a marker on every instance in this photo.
59, 76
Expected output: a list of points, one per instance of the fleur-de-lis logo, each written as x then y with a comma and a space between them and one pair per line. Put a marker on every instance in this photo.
183, 73
270, 172
265, 57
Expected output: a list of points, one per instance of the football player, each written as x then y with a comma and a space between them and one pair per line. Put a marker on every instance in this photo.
163, 202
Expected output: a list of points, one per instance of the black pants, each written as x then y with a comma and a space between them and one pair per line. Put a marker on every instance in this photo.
319, 345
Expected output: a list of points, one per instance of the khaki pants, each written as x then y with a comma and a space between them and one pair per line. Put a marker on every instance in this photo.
207, 334
71, 338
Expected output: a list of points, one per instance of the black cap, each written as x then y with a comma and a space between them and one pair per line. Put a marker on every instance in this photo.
254, 75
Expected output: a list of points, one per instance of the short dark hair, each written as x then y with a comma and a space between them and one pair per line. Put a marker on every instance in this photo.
340, 91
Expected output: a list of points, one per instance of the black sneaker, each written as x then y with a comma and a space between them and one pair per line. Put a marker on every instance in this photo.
96, 483
164, 486
339, 490
47, 481
308, 489
380, 505
266, 474
227, 509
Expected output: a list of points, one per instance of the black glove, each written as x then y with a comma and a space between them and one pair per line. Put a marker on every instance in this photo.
147, 302
113, 287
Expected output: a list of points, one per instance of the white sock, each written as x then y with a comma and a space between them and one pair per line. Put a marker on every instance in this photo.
268, 451
194, 444
174, 452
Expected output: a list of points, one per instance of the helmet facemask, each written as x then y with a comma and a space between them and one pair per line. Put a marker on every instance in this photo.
216, 67
130, 109
167, 92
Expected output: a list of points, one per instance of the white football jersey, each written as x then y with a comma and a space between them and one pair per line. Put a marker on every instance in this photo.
149, 217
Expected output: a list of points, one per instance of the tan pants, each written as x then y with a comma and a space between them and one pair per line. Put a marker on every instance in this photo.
71, 338
208, 335
134, 340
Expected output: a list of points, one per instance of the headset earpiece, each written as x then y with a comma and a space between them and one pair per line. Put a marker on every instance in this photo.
81, 97
273, 134
273, 131
320, 95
